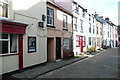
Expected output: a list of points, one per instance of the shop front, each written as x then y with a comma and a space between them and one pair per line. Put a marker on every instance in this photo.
11, 45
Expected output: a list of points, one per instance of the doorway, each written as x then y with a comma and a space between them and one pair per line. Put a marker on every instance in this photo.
50, 49
58, 48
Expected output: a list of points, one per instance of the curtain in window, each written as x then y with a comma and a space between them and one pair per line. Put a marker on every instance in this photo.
13, 44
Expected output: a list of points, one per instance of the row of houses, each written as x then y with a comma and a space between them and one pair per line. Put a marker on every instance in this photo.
49, 30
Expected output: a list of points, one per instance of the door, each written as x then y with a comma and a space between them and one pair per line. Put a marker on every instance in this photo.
58, 48
81, 44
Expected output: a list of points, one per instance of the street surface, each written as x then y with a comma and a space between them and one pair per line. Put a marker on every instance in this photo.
102, 65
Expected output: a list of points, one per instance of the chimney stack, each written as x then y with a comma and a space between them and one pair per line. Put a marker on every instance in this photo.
107, 19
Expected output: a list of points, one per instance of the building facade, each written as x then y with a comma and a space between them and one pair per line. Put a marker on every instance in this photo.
79, 29
26, 43
59, 32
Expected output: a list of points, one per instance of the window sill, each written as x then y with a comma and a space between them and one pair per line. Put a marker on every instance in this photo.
10, 54
51, 26
65, 29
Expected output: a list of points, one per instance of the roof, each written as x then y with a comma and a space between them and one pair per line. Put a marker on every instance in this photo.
59, 7
3, 19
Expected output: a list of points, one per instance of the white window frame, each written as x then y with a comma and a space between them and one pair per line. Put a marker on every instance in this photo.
51, 16
9, 45
81, 25
68, 44
75, 23
65, 21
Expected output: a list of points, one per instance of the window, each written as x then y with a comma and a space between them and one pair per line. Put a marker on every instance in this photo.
76, 9
93, 29
9, 43
81, 25
50, 17
89, 27
83, 13
90, 41
108, 34
31, 44
89, 17
97, 30
77, 40
65, 22
75, 23
84, 41
66, 43
4, 12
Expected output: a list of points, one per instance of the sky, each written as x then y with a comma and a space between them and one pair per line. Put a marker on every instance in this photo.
105, 8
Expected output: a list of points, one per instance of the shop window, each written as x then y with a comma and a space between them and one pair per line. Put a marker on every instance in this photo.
66, 43
9, 43
31, 44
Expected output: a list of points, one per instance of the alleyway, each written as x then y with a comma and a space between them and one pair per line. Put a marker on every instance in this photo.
102, 65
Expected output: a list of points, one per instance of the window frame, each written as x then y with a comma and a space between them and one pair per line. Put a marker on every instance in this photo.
68, 46
9, 45
65, 21
50, 25
78, 40
35, 44
90, 28
81, 25
90, 41
75, 23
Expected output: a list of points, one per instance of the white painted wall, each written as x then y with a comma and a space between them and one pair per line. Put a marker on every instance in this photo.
32, 14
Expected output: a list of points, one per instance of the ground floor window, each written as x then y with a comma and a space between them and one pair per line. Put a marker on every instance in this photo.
90, 42
9, 43
66, 42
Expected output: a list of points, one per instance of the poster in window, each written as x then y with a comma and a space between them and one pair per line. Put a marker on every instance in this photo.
31, 44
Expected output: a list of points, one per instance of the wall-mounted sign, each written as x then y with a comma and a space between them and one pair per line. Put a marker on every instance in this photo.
31, 44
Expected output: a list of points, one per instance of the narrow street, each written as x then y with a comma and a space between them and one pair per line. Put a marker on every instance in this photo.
102, 65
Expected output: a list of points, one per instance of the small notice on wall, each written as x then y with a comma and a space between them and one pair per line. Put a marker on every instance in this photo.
31, 44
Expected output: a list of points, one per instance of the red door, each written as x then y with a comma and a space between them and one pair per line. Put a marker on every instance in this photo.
81, 44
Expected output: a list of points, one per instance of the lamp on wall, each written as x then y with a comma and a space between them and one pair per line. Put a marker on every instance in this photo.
41, 24
43, 17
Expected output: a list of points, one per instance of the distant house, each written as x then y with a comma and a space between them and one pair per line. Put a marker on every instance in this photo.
59, 32
99, 31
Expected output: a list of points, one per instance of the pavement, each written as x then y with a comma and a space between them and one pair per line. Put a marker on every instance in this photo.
34, 72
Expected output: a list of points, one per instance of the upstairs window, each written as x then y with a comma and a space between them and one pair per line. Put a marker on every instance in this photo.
9, 43
89, 17
4, 9
89, 27
65, 22
81, 25
75, 23
50, 17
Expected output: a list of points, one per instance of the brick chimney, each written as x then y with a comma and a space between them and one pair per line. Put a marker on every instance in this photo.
107, 19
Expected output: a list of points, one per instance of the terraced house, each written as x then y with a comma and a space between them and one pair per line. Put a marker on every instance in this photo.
79, 29
59, 30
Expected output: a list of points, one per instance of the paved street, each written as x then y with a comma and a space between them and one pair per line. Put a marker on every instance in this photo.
102, 65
